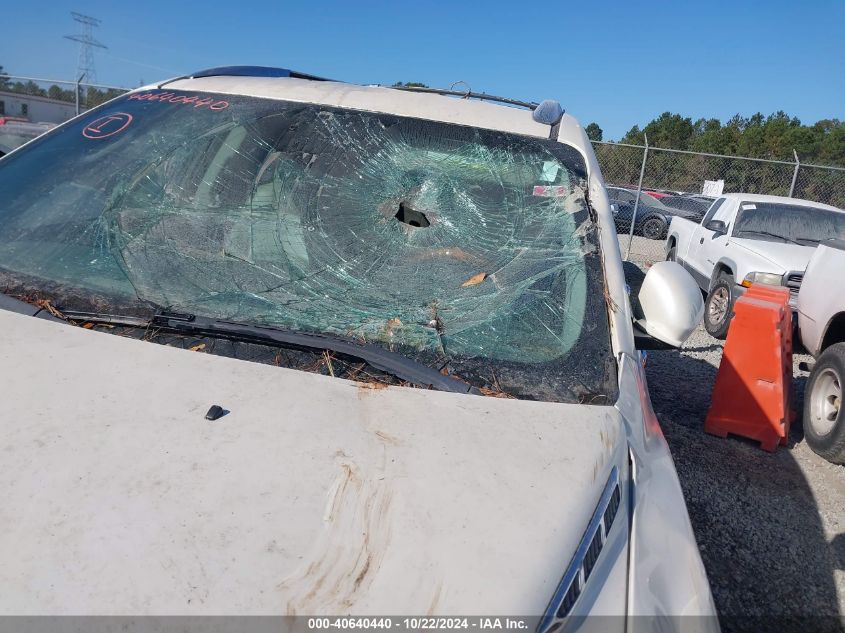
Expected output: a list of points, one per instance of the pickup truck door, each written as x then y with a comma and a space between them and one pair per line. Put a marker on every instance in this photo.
706, 247
689, 245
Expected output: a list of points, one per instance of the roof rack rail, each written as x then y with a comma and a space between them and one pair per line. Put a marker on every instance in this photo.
246, 71
468, 94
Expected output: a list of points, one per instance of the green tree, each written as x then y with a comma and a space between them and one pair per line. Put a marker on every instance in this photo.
670, 130
774, 133
95, 96
594, 132
29, 88
832, 149
55, 92
4, 79
752, 142
772, 137
707, 136
634, 136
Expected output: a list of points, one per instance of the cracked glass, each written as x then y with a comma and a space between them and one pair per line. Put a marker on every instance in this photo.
469, 250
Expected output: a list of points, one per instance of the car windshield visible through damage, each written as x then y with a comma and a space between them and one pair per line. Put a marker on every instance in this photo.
789, 223
468, 250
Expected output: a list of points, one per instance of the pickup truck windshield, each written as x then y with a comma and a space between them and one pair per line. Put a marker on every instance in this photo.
774, 222
469, 250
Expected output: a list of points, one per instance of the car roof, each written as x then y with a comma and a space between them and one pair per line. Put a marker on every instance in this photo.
757, 197
434, 107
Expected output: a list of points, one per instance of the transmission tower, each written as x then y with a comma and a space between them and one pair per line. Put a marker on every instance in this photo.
87, 43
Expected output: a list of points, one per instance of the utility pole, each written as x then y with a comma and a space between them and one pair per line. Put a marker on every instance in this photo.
87, 43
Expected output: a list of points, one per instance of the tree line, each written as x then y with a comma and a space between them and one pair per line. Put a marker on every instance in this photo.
772, 137
89, 96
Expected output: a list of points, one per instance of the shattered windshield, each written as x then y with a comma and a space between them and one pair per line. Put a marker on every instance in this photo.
469, 250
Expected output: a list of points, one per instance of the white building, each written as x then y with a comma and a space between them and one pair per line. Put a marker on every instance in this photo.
35, 109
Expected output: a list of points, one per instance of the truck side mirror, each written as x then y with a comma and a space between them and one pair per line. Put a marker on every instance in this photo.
717, 226
671, 303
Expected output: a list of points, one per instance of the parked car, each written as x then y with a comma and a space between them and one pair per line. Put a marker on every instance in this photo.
340, 343
694, 206
653, 217
748, 238
821, 324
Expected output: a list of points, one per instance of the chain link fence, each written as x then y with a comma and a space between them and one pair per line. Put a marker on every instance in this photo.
648, 186
37, 100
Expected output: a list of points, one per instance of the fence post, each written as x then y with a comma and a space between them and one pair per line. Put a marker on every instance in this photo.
794, 174
78, 81
637, 201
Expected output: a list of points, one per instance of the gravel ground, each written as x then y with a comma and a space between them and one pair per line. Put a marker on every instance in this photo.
771, 527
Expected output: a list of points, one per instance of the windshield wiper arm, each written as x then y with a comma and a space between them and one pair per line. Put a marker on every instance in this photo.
384, 360
776, 235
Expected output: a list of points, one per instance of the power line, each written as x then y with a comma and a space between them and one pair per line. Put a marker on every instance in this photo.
85, 66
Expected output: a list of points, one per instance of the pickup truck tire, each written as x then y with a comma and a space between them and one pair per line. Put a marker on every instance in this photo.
824, 410
654, 228
718, 307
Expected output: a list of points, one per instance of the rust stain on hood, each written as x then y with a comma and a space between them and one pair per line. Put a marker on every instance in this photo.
348, 553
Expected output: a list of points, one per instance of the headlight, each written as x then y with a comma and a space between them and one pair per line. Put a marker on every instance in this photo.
771, 279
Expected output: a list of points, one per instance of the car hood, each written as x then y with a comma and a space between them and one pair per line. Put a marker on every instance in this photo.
626, 209
681, 213
312, 495
783, 257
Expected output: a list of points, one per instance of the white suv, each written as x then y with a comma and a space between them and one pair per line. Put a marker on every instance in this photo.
265, 266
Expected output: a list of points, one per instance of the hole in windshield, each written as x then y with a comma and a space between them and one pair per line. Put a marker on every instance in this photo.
411, 217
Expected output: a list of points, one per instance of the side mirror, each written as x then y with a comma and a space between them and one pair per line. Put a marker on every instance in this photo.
671, 303
717, 226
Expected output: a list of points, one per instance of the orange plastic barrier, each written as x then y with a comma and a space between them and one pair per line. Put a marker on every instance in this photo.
752, 396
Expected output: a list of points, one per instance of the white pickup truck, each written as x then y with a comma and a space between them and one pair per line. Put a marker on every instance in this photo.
821, 322
748, 238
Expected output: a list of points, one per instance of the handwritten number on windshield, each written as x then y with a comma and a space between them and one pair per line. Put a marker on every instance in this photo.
183, 99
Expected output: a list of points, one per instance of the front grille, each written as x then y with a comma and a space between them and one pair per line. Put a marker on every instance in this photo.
569, 599
793, 282
586, 556
612, 507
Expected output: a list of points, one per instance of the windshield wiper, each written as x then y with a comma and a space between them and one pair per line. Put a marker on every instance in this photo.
775, 235
384, 360
13, 304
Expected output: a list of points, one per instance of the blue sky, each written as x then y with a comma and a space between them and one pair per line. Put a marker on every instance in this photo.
616, 63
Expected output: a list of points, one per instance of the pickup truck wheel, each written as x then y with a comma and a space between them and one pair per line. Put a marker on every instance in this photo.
718, 308
654, 229
824, 410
